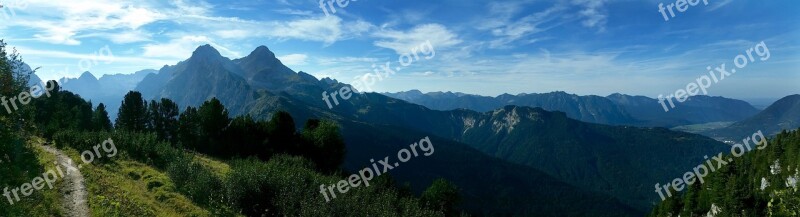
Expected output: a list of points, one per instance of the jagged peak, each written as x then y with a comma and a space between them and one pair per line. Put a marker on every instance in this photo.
205, 51
262, 49
87, 75
617, 95
415, 91
261, 53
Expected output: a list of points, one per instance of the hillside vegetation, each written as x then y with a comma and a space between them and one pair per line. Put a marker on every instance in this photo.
760, 183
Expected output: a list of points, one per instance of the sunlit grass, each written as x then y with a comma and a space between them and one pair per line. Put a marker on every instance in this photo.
129, 188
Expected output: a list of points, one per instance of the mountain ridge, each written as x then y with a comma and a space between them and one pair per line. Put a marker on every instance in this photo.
615, 109
781, 115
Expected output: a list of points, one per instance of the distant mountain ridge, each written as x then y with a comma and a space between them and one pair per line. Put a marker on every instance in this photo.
781, 115
695, 110
108, 89
615, 109
594, 109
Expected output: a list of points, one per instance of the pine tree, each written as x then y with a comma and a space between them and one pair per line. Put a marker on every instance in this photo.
169, 114
132, 113
282, 131
100, 120
189, 128
213, 119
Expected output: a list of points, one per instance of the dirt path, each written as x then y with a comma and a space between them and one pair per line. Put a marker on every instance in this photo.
73, 189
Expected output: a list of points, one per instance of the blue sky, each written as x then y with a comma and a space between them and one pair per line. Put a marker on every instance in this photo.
482, 47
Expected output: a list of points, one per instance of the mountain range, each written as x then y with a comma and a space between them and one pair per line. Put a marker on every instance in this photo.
594, 109
109, 89
529, 154
695, 110
781, 115
615, 109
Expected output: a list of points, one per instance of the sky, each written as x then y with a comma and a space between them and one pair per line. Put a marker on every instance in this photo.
586, 47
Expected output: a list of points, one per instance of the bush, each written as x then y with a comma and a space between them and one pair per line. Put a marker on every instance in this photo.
288, 186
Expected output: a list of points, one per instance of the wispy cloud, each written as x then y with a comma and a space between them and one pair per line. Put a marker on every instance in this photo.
182, 48
593, 13
403, 41
717, 5
294, 59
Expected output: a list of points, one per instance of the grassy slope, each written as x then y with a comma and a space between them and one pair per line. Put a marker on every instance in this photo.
219, 168
47, 201
129, 188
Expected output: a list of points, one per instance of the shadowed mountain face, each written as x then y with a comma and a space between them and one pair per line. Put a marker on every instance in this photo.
696, 110
489, 186
608, 159
781, 115
237, 83
594, 109
604, 158
263, 70
204, 75
616, 109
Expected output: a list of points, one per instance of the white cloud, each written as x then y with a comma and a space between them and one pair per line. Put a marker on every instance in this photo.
326, 29
62, 22
233, 33
289, 11
340, 60
507, 30
593, 13
65, 22
509, 27
121, 37
403, 41
182, 48
294, 59
80, 56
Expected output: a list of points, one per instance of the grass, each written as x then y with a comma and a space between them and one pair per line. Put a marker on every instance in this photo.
46, 202
217, 167
128, 188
